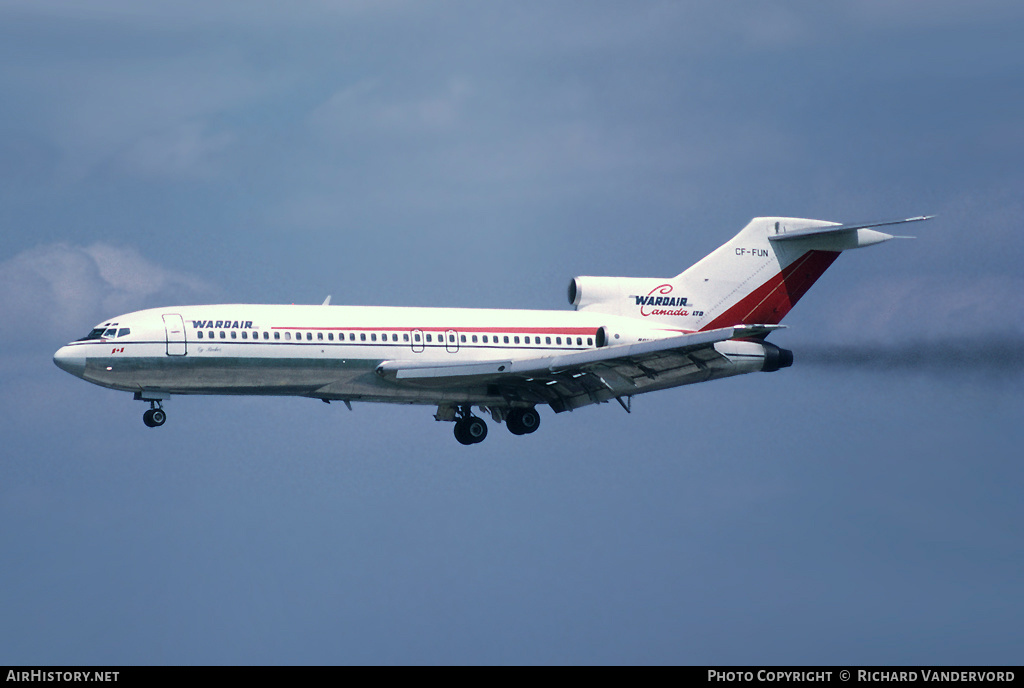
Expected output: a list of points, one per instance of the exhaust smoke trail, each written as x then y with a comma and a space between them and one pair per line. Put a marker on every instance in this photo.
991, 356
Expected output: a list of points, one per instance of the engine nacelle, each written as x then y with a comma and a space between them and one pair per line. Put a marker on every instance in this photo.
615, 291
775, 358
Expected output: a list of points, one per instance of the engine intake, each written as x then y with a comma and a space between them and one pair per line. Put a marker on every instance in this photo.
611, 292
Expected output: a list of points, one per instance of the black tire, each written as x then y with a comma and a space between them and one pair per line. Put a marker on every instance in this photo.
529, 420
460, 433
513, 424
522, 421
476, 429
147, 418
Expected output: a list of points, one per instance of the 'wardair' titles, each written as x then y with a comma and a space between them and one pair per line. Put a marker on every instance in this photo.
223, 324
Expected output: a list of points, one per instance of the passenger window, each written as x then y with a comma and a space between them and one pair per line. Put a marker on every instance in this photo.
547, 340
558, 340
405, 337
277, 335
416, 337
288, 336
506, 339
579, 341
517, 340
485, 339
474, 339
309, 336
463, 337
451, 338
362, 336
199, 334
373, 337
234, 334
244, 335
351, 336
222, 335
428, 338
590, 341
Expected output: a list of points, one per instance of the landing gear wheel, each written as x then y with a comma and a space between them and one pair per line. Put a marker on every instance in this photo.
154, 417
470, 430
523, 421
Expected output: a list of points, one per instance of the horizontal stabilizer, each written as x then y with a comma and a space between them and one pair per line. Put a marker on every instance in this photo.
780, 232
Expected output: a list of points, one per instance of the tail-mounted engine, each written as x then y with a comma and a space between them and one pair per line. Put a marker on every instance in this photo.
612, 295
775, 358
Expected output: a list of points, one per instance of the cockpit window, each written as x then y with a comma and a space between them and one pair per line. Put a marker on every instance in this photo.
123, 331
95, 334
111, 332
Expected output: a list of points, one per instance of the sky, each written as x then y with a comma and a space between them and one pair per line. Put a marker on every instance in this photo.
861, 507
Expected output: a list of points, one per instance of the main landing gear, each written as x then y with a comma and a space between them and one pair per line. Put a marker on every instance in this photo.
470, 429
523, 421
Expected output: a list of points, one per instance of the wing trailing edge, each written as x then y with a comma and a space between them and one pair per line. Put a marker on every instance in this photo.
405, 371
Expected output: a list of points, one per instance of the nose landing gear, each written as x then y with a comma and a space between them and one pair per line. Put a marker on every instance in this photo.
155, 416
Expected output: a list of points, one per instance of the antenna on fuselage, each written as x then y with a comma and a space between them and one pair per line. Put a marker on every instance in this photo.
327, 301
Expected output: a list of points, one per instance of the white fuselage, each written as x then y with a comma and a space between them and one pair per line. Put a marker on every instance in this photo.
328, 352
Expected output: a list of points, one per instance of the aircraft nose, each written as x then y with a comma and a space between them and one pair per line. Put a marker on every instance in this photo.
68, 360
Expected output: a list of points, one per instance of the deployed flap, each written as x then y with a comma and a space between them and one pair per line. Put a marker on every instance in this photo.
402, 370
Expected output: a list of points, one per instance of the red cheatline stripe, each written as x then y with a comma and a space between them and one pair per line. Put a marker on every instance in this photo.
769, 303
488, 330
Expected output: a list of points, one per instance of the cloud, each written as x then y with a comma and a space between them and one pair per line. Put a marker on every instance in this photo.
59, 290
182, 151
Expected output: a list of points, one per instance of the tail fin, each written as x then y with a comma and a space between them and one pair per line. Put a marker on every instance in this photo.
754, 278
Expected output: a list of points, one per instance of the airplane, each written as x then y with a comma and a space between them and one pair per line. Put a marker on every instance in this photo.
625, 336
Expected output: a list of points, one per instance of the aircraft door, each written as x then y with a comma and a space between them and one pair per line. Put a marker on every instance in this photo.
174, 326
417, 341
451, 341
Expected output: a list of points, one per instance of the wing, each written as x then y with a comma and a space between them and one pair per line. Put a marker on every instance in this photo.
569, 381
